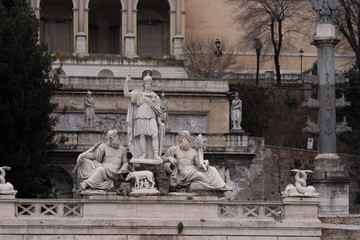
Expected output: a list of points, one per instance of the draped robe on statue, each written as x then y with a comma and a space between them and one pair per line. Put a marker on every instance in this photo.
143, 111
99, 174
191, 173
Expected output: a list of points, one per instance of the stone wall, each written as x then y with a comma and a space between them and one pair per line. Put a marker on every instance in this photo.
344, 227
279, 161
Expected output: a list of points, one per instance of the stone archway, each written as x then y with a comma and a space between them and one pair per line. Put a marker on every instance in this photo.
153, 28
105, 26
56, 25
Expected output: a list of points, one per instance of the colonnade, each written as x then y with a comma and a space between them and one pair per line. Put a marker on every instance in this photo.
128, 26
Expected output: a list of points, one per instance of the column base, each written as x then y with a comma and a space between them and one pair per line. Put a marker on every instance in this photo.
130, 45
178, 47
331, 181
81, 44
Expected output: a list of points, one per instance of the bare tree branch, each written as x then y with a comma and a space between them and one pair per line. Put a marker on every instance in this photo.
347, 19
274, 22
201, 62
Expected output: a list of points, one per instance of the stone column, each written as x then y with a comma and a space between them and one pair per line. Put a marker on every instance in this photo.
330, 177
32, 4
129, 37
178, 38
81, 36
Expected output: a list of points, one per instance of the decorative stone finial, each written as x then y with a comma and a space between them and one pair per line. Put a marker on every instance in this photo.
300, 189
6, 188
325, 9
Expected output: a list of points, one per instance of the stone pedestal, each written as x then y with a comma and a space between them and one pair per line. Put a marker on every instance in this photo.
81, 43
331, 180
299, 209
178, 47
87, 138
130, 45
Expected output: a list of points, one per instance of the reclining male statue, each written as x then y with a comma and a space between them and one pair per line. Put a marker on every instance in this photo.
191, 168
103, 163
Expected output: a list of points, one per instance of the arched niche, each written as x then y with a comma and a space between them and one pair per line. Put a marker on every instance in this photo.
105, 26
153, 28
56, 25
106, 73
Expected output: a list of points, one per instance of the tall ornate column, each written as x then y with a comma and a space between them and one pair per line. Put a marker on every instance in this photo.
129, 37
81, 36
330, 177
178, 38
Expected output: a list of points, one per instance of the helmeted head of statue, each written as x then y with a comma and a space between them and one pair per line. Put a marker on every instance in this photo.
147, 82
88, 93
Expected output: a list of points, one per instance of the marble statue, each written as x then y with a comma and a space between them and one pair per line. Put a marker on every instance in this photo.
89, 110
5, 187
164, 110
143, 179
103, 163
190, 167
236, 112
145, 128
325, 9
300, 189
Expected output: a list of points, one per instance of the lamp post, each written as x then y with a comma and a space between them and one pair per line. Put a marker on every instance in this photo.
301, 52
218, 53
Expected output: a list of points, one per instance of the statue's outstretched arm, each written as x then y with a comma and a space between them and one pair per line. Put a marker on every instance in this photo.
126, 85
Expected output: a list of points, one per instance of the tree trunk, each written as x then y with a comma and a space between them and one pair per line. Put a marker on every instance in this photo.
257, 67
277, 68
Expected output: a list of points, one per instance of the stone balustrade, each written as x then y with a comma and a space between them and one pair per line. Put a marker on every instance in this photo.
158, 217
216, 142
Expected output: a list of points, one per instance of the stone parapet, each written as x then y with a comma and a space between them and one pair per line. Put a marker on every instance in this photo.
162, 217
178, 85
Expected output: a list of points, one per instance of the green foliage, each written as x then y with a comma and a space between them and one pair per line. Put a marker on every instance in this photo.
352, 113
297, 163
180, 227
291, 101
26, 90
354, 75
275, 114
257, 106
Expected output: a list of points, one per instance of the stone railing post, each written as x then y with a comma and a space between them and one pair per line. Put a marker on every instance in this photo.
302, 209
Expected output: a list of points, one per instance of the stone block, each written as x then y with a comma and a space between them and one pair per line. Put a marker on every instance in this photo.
301, 209
299, 238
7, 209
251, 238
202, 238
11, 237
152, 237
48, 237
325, 30
100, 237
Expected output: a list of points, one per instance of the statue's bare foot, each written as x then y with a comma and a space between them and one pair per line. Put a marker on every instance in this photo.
156, 156
83, 185
142, 156
227, 187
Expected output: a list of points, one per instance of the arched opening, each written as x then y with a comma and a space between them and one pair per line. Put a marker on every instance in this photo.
106, 73
105, 26
153, 28
56, 25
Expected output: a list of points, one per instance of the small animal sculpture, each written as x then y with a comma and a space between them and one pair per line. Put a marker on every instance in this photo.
142, 175
4, 185
300, 188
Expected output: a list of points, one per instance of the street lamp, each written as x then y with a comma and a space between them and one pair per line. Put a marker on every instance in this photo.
218, 53
301, 52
